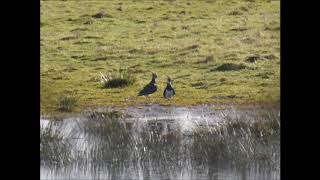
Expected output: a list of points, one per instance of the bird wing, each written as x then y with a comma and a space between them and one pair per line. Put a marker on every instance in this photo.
148, 89
164, 92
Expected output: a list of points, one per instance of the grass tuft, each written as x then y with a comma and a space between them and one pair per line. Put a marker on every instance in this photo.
100, 14
223, 79
207, 60
230, 67
54, 147
66, 103
118, 80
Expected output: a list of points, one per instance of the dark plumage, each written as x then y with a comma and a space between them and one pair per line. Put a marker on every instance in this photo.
149, 88
169, 91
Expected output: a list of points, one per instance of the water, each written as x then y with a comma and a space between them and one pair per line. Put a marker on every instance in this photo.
161, 143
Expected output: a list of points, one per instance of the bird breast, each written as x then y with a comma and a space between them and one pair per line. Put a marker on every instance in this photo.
169, 93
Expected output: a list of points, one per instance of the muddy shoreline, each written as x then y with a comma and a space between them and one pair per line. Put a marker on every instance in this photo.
161, 109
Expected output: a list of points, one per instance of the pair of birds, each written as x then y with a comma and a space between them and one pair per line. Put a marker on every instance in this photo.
152, 88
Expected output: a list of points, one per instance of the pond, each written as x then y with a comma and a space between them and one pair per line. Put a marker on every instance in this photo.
155, 142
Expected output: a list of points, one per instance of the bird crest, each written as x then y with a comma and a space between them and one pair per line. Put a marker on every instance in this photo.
154, 75
169, 79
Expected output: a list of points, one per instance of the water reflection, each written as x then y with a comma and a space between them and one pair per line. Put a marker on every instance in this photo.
108, 145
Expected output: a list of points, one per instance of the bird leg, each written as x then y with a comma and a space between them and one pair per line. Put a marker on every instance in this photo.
149, 99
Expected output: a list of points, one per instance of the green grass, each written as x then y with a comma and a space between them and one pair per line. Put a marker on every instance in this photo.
183, 39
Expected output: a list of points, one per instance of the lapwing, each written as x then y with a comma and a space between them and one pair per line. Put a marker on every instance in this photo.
149, 88
169, 91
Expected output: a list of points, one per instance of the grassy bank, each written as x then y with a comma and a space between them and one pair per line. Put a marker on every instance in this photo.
216, 51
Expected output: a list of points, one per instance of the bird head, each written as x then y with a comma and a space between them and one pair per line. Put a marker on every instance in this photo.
169, 80
154, 75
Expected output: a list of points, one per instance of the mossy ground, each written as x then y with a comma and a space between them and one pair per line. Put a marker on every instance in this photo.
187, 40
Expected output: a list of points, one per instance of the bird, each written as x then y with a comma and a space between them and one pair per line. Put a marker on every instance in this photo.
149, 88
169, 91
